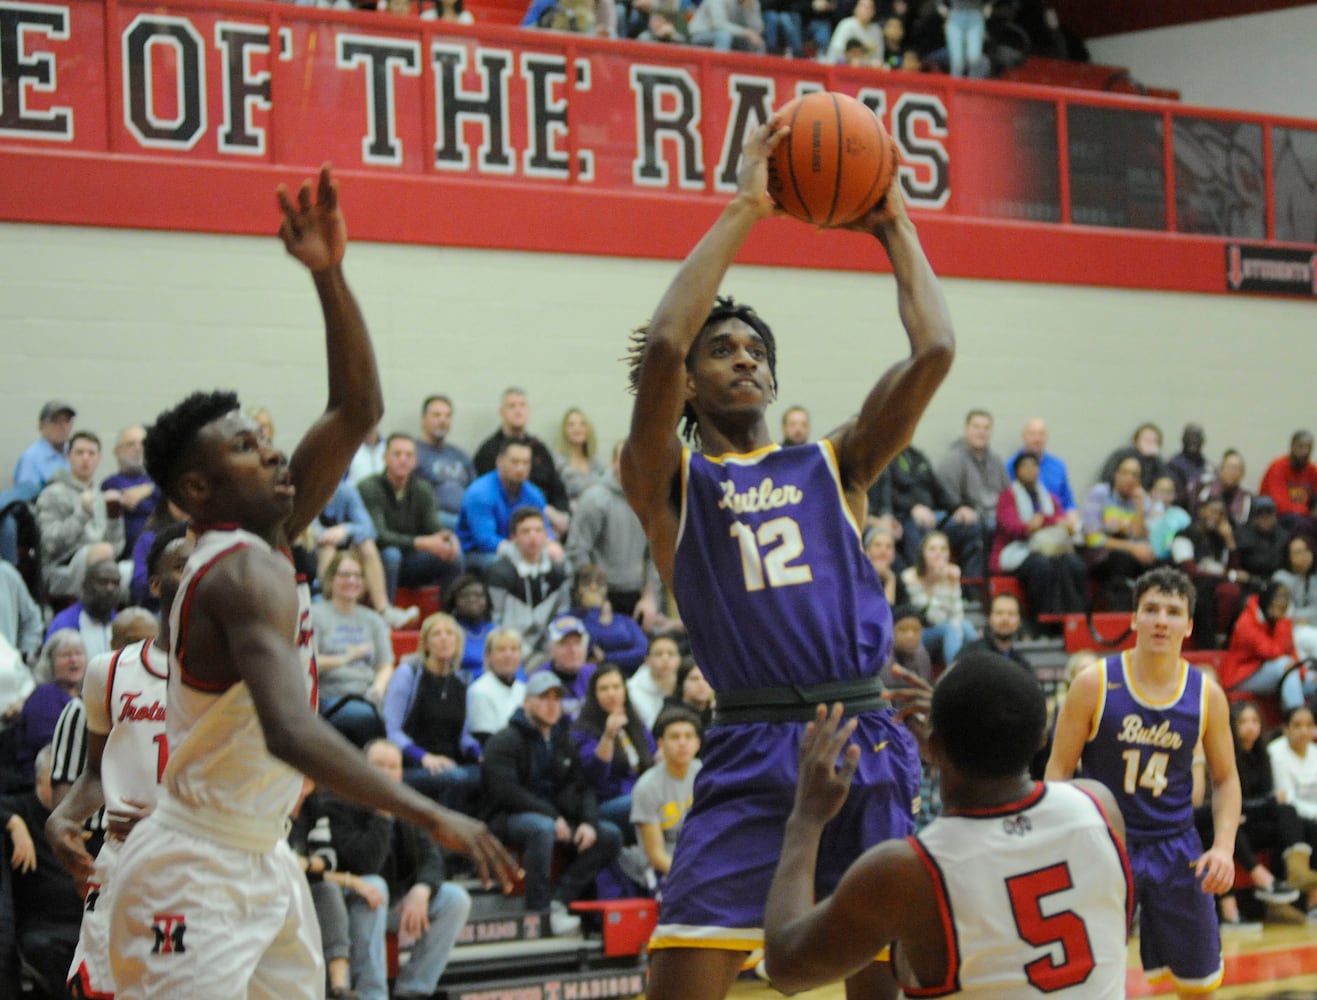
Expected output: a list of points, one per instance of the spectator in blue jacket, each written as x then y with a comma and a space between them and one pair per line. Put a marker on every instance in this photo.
614, 638
487, 506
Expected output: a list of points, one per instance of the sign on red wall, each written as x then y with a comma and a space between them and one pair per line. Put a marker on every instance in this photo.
118, 112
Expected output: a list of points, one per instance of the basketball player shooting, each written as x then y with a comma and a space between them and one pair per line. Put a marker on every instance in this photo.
761, 546
211, 900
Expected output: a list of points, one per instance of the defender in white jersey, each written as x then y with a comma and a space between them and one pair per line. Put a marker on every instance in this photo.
210, 900
125, 698
1019, 889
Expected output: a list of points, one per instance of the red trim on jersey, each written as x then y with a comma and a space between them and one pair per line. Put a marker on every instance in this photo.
183, 613
109, 685
199, 528
1020, 805
84, 981
952, 982
1120, 853
146, 661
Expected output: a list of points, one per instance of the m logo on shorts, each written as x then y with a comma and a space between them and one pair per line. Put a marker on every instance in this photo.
169, 929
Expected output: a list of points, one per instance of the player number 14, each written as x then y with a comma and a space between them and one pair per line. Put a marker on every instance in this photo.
1153, 776
767, 554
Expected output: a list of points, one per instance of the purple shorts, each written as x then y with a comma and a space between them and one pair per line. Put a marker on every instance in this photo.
1178, 931
730, 841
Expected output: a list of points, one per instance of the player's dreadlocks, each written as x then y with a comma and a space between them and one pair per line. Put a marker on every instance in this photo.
170, 440
724, 308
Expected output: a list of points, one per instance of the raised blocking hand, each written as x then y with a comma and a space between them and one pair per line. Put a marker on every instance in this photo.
314, 232
823, 784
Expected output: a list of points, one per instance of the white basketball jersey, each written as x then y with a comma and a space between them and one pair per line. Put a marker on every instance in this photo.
125, 693
219, 768
1035, 898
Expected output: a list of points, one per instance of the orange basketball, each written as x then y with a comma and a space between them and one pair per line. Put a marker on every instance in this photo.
837, 162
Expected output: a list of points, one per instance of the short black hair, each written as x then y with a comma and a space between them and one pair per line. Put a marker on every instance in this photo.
724, 308
989, 714
398, 436
520, 441
1020, 459
1169, 581
436, 398
170, 442
902, 611
674, 714
166, 536
1294, 710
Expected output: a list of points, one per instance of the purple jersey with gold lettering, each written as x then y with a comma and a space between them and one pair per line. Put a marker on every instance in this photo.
771, 578
1144, 750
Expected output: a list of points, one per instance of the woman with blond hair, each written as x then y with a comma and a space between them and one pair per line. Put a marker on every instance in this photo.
425, 716
577, 459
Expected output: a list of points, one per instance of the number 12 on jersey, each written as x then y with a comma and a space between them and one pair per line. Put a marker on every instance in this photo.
767, 554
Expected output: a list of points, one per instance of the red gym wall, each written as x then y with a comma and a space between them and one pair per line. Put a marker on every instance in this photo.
182, 115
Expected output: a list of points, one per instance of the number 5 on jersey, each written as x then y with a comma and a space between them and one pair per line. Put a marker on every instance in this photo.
768, 553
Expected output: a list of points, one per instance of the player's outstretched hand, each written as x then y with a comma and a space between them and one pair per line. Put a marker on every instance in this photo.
752, 173
823, 784
314, 232
912, 703
472, 838
69, 842
1216, 868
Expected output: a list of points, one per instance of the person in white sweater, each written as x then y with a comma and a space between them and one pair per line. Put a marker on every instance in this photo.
655, 679
500, 689
1294, 772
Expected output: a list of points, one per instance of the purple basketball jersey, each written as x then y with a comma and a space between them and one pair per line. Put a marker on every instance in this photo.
770, 574
1144, 752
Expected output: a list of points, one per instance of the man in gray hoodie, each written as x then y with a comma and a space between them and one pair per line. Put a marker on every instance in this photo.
606, 532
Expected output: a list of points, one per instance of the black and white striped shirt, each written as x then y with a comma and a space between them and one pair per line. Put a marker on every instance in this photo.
69, 753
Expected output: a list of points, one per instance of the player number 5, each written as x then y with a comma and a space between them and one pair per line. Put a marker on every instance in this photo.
780, 542
1066, 928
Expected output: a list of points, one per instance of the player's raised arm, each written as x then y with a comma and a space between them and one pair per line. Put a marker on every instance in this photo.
314, 232
891, 411
252, 609
652, 452
1216, 866
1074, 725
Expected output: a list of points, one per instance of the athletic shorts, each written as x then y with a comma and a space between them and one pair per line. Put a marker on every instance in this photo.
194, 919
89, 975
727, 852
1178, 930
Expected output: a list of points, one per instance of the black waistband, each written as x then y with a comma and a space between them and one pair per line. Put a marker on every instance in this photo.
797, 703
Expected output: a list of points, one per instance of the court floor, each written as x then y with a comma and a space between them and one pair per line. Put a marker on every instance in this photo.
1279, 963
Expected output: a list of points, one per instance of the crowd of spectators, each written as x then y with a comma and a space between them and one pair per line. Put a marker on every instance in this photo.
970, 38
552, 696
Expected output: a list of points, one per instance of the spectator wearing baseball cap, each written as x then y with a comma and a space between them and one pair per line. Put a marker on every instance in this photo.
568, 662
48, 453
537, 797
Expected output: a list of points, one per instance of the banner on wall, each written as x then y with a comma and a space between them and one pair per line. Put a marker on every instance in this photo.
1278, 270
242, 83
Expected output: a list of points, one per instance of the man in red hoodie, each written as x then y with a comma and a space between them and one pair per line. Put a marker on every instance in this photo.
1291, 480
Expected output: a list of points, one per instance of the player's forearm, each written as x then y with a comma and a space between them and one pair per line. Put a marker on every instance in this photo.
686, 303
923, 307
791, 895
354, 380
82, 799
315, 748
1227, 801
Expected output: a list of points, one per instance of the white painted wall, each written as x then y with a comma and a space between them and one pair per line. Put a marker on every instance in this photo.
123, 323
1259, 62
